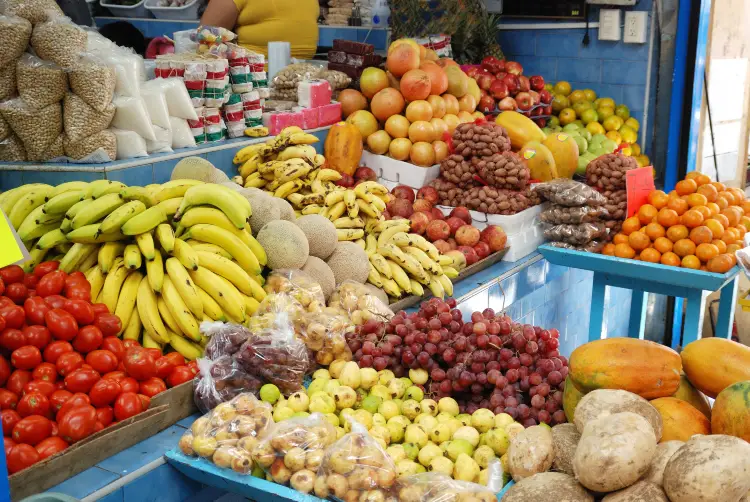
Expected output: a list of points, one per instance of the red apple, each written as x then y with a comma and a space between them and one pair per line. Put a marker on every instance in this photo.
513, 67
428, 193
472, 72
419, 222
455, 223
470, 254
442, 246
491, 63
482, 249
501, 75
524, 101
437, 229
467, 235
512, 82
400, 208
365, 173
422, 205
545, 96
547, 110
345, 181
523, 84
485, 81
537, 82
486, 104
452, 243
507, 104
437, 214
537, 112
403, 192
386, 215
501, 65
535, 99
540, 122
499, 89
462, 213
494, 236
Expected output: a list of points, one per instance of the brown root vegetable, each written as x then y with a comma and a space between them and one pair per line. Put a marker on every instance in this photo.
605, 402
548, 487
530, 452
639, 492
565, 439
664, 452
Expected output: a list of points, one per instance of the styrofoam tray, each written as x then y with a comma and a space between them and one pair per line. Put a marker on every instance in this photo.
401, 173
512, 224
136, 10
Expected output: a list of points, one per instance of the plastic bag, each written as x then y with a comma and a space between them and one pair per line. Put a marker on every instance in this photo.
557, 215
129, 144
35, 11
743, 259
81, 121
95, 149
182, 136
162, 143
59, 40
569, 193
325, 336
227, 434
299, 285
178, 99
212, 35
576, 234
129, 71
16, 32
337, 79
356, 462
439, 487
40, 83
94, 81
220, 380
37, 129
223, 339
156, 106
354, 300
290, 76
12, 150
7, 81
131, 115
594, 246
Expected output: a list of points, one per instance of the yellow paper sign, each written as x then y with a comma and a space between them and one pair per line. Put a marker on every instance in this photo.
12, 249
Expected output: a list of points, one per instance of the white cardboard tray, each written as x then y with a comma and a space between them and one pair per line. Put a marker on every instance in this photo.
398, 172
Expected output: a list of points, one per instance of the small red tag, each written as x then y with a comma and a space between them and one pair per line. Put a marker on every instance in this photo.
638, 184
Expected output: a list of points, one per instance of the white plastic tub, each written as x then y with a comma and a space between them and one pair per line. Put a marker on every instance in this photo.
188, 12
137, 10
523, 243
401, 173
512, 224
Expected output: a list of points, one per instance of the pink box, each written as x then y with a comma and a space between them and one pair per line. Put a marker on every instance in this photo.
314, 93
309, 118
297, 119
329, 114
278, 121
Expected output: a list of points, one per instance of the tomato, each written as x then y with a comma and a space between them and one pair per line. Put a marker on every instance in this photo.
2, 286
81, 310
8, 400
81, 380
5, 302
2, 320
31, 281
152, 387
12, 339
139, 364
21, 457
55, 301
78, 423
164, 367
179, 375
105, 415
42, 387
38, 336
17, 292
154, 353
54, 350
100, 308
32, 429
76, 400
33, 403
115, 375
130, 343
9, 444
55, 430
51, 284
127, 405
75, 283
145, 401
129, 384
11, 274
176, 358
193, 365
35, 308
104, 392
89, 338
45, 372
79, 292
9, 418
68, 363
4, 370
14, 316
27, 357
58, 398
50, 446
75, 277
109, 324
17, 381
45, 268
61, 324
114, 345
102, 361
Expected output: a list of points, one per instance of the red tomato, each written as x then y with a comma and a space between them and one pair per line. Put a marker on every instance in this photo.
152, 387
75, 277
34, 403
55, 301
100, 308
45, 372
21, 457
176, 358
154, 353
76, 400
81, 310
129, 384
139, 364
104, 392
61, 324
115, 375
50, 446
17, 381
2, 320
45, 268
78, 423
12, 339
81, 380
27, 357
9, 418
145, 401
55, 349
164, 367
73, 283
109, 324
58, 398
193, 365
2, 286
55, 430
8, 400
38, 336
114, 345
68, 363
9, 444
89, 338
17, 292
14, 316
35, 308
4, 370
11, 274
5, 302
179, 375
31, 281
44, 388
105, 415
51, 284
130, 343
79, 292
102, 361
127, 405
32, 429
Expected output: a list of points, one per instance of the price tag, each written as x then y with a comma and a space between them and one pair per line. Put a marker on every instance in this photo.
12, 249
638, 184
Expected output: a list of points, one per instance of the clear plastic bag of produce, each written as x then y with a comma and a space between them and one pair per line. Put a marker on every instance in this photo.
212, 35
743, 258
93, 80
35, 11
325, 336
290, 76
224, 339
59, 40
438, 487
37, 129
291, 451
299, 285
557, 214
220, 380
355, 300
16, 33
577, 235
566, 192
594, 246
356, 466
40, 83
227, 434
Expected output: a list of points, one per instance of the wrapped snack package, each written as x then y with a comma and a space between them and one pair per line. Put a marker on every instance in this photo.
227, 434
16, 33
594, 246
577, 235
569, 193
356, 301
438, 487
220, 380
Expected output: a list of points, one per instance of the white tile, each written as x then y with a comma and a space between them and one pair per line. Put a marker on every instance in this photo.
726, 137
726, 85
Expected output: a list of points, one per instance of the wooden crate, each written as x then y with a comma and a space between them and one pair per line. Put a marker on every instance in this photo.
166, 409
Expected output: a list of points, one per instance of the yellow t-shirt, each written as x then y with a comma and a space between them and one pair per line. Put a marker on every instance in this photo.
293, 21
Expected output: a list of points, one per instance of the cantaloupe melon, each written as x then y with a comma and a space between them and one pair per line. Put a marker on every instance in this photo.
565, 151
539, 160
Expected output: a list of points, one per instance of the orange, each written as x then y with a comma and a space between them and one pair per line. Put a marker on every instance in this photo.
745, 222
709, 192
686, 187
729, 196
705, 252
692, 218
620, 239
646, 214
731, 235
733, 248
630, 225
650, 255
678, 205
696, 199
733, 215
639, 241
654, 230
624, 251
719, 186
673, 195
701, 235
742, 230
662, 244
722, 219
677, 232
658, 199
702, 180
721, 264
705, 211
691, 261
667, 217
714, 207
609, 249
692, 175
717, 229
745, 206
720, 245
722, 202
669, 258
684, 247
739, 195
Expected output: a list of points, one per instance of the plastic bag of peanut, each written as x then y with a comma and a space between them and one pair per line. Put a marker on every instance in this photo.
7, 81
59, 40
12, 150
569, 193
97, 148
93, 81
80, 120
36, 128
14, 38
34, 11
40, 83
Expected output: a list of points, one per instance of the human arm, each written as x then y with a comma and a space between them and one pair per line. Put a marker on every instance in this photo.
221, 13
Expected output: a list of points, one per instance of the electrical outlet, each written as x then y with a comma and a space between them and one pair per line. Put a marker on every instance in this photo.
635, 27
609, 24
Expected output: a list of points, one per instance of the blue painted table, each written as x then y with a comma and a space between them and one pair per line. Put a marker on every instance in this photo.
643, 278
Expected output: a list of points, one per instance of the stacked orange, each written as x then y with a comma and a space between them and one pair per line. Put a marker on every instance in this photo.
698, 225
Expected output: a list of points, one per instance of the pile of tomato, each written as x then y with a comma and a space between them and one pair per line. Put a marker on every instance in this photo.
64, 373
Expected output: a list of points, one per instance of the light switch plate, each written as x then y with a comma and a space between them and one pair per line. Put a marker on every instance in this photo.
609, 24
636, 27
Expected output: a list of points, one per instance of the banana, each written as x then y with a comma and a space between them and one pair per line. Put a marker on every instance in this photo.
210, 307
145, 221
70, 186
96, 186
65, 225
391, 288
335, 197
132, 257
95, 276
165, 236
209, 216
386, 236
393, 252
59, 204
138, 193
321, 187
250, 166
209, 248
184, 285
416, 288
235, 206
312, 209
350, 234
113, 187
446, 283
175, 188
445, 261
413, 267
368, 209
381, 265
233, 273
302, 138
371, 244
149, 312
170, 206
293, 170
374, 277
384, 225
113, 284
221, 290
150, 343
251, 305
134, 327
125, 305
189, 351
287, 188
37, 231
243, 154
350, 199
450, 272
11, 197
146, 245
256, 131
361, 243
97, 210
75, 255
255, 183
336, 211
185, 254
436, 288
36, 256
417, 241
155, 272
117, 218
297, 152
182, 315
89, 261
400, 276
329, 175
217, 235
76, 208
427, 263
374, 187
91, 234
26, 204
107, 254
166, 316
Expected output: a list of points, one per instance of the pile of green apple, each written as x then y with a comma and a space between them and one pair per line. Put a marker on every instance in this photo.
418, 433
590, 146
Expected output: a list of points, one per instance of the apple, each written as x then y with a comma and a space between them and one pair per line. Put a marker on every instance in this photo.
455, 223
494, 236
537, 112
365, 173
469, 254
491, 63
535, 99
501, 65
437, 214
400, 208
467, 235
403, 192
428, 193
513, 67
452, 243
499, 89
462, 213
500, 75
472, 72
422, 205
386, 215
537, 82
442, 246
437, 229
512, 82
419, 222
485, 81
540, 122
486, 104
507, 104
482, 249
523, 84
547, 110
346, 181
545, 96
523, 99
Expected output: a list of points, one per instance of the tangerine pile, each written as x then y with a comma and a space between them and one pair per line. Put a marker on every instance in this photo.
698, 225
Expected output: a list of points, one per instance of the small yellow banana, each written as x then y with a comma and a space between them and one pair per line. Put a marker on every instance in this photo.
155, 272
400, 276
336, 211
416, 288
329, 175
107, 254
374, 277
146, 245
185, 254
350, 199
134, 327
132, 257
386, 236
165, 236
391, 288
350, 234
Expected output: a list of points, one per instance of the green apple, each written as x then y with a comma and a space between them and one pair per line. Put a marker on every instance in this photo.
553, 122
571, 128
586, 134
597, 139
583, 145
609, 145
581, 166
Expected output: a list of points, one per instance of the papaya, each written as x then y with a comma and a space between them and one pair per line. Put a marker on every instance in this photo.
713, 364
520, 129
539, 160
690, 394
565, 151
343, 148
680, 419
571, 398
642, 367
731, 413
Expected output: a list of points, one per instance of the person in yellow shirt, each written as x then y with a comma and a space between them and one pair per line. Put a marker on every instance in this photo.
257, 22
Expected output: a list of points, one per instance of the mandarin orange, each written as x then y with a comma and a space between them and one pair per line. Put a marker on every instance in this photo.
662, 244
684, 247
